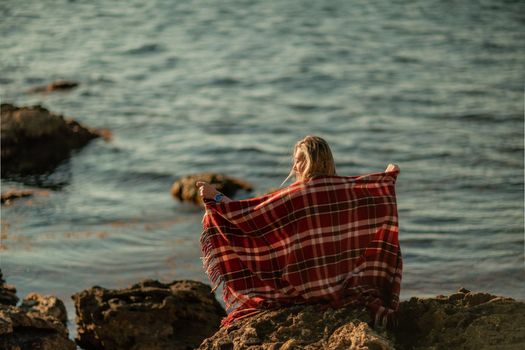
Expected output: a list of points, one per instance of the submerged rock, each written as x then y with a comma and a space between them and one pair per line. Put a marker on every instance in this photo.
35, 140
148, 315
7, 292
21, 330
185, 190
301, 327
57, 85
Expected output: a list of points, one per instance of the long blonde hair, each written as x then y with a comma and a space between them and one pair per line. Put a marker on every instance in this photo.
317, 157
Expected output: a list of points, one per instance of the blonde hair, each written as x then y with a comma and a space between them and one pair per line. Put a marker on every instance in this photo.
317, 157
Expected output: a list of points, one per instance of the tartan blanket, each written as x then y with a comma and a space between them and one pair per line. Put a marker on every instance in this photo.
331, 240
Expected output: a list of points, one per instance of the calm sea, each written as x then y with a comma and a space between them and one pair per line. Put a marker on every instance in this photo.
189, 86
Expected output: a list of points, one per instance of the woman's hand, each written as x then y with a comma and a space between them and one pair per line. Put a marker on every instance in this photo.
392, 167
206, 191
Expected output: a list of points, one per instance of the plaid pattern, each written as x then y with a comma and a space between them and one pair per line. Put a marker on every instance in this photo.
331, 239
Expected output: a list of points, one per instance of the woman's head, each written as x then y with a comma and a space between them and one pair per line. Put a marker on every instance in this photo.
312, 157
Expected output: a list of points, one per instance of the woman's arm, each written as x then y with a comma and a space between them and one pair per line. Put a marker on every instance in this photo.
207, 191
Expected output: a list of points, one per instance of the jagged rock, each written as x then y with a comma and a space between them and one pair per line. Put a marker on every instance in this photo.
464, 320
49, 305
7, 292
57, 85
185, 190
301, 327
34, 140
20, 330
148, 315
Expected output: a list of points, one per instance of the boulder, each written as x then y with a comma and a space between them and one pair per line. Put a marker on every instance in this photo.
148, 315
184, 189
301, 327
34, 140
49, 305
7, 292
463, 320
20, 330
57, 85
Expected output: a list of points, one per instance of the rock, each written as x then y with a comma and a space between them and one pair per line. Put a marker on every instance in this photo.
13, 194
185, 190
474, 321
46, 305
34, 140
57, 85
20, 330
301, 327
148, 315
7, 292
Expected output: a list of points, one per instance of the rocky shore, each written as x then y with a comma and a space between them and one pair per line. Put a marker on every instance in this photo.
186, 315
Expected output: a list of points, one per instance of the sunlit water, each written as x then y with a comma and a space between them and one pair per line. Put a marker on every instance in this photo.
230, 86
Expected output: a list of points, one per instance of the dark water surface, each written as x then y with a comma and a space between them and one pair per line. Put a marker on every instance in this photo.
230, 86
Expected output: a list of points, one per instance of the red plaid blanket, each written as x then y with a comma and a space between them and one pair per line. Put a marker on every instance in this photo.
331, 239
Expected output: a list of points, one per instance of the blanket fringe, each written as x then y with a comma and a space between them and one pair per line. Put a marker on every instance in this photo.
212, 268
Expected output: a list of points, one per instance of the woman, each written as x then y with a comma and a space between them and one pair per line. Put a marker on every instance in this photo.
323, 239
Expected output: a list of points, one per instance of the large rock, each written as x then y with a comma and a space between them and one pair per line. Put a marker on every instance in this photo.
7, 292
21, 330
463, 320
35, 140
148, 315
185, 190
301, 327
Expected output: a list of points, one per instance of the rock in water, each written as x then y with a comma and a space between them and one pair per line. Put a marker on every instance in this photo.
301, 327
35, 140
57, 85
148, 315
185, 190
7, 293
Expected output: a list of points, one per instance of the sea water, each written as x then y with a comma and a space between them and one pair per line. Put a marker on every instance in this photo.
230, 86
